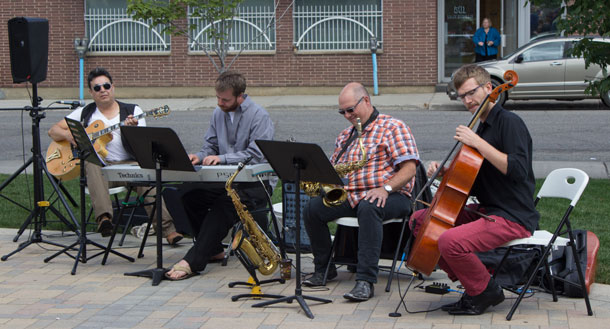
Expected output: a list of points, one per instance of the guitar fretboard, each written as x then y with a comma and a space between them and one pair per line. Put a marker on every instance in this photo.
157, 112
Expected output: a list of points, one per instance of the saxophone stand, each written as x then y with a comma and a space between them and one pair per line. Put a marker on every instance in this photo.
293, 162
253, 282
159, 149
86, 152
37, 214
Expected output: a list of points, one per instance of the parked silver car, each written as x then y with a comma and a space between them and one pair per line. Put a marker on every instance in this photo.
546, 71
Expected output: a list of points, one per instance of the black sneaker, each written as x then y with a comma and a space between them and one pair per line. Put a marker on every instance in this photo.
104, 227
476, 305
456, 305
317, 279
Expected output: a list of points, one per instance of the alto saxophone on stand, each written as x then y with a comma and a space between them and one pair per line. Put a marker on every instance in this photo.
334, 195
256, 247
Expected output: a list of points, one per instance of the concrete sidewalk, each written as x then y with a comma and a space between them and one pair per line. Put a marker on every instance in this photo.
35, 294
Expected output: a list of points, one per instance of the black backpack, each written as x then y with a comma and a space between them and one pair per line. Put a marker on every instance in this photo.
563, 265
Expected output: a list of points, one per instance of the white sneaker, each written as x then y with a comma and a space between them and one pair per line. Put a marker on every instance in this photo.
138, 231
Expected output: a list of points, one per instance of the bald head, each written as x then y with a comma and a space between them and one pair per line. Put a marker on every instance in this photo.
354, 90
354, 95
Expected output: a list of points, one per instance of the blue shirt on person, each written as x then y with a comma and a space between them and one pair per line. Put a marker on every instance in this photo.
481, 36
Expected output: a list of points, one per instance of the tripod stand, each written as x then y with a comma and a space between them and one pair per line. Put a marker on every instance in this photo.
293, 162
41, 206
86, 152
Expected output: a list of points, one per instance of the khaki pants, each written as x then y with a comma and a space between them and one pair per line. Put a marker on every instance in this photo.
100, 198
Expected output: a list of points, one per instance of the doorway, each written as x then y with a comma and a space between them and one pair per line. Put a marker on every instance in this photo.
461, 18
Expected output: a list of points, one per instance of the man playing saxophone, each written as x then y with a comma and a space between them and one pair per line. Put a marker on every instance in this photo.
378, 191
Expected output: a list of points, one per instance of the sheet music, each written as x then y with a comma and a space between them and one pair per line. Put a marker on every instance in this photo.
83, 142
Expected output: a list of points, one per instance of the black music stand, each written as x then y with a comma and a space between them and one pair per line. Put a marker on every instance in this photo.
295, 162
157, 148
86, 152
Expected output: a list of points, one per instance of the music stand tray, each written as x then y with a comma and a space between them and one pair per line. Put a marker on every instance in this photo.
295, 162
156, 148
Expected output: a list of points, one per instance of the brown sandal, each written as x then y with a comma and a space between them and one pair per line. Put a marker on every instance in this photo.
181, 268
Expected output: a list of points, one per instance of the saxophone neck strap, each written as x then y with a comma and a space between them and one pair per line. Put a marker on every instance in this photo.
353, 134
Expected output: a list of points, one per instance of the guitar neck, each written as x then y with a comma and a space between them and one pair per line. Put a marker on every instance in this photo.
114, 127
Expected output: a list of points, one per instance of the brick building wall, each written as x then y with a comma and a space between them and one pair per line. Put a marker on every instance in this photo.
409, 56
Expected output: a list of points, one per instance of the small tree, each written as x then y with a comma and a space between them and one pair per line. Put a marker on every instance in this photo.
589, 17
173, 14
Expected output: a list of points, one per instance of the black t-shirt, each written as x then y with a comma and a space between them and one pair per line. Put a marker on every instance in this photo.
510, 196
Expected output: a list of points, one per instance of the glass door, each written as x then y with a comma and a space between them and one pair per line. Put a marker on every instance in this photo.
510, 26
459, 27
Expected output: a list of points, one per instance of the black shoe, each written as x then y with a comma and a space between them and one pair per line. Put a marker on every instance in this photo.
105, 227
317, 279
456, 305
362, 292
475, 305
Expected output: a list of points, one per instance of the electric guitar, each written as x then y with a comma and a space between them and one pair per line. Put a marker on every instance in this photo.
61, 156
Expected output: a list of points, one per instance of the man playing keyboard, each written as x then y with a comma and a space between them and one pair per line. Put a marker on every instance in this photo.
236, 123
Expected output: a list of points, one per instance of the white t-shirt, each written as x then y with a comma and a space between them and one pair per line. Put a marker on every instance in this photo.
116, 151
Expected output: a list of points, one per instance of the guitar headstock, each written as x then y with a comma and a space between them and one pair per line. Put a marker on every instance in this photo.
160, 111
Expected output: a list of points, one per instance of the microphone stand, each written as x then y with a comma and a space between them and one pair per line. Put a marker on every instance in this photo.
41, 206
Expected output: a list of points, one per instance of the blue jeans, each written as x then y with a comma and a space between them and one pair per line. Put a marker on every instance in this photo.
370, 232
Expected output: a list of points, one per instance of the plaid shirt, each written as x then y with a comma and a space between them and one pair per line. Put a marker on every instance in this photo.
387, 142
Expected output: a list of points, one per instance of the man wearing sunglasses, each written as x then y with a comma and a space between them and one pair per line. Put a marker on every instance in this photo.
110, 111
378, 191
237, 122
504, 188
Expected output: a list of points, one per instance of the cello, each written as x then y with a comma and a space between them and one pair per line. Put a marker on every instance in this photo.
452, 193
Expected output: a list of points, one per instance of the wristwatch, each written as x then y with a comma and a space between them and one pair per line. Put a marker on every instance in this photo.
388, 188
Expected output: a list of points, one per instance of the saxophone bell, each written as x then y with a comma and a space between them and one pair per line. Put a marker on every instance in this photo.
332, 195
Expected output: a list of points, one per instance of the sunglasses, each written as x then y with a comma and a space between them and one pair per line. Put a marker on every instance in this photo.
106, 86
350, 109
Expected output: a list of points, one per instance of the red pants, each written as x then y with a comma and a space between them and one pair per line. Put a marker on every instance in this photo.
471, 234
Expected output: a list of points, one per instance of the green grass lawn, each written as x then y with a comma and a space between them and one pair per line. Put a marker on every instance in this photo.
591, 213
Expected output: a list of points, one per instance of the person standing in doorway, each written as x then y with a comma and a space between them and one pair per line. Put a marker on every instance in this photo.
486, 41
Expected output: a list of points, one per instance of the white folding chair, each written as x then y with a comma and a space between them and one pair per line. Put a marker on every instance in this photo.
565, 183
353, 222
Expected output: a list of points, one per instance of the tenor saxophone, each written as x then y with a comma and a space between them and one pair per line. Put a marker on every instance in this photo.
256, 247
334, 195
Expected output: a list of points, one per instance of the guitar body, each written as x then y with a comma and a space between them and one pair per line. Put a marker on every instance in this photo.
61, 159
448, 201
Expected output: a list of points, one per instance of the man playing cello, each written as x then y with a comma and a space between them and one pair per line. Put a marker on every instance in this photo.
504, 187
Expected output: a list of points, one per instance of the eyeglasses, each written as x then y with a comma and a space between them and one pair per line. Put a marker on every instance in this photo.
351, 109
469, 93
106, 86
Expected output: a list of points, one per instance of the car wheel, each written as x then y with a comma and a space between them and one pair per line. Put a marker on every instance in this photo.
503, 96
606, 98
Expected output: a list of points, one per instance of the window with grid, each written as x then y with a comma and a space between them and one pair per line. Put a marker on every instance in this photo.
110, 29
251, 29
341, 25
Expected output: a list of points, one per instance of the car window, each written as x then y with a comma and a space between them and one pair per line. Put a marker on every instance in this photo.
544, 52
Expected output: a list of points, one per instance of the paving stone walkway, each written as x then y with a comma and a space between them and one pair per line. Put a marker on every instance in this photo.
35, 294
